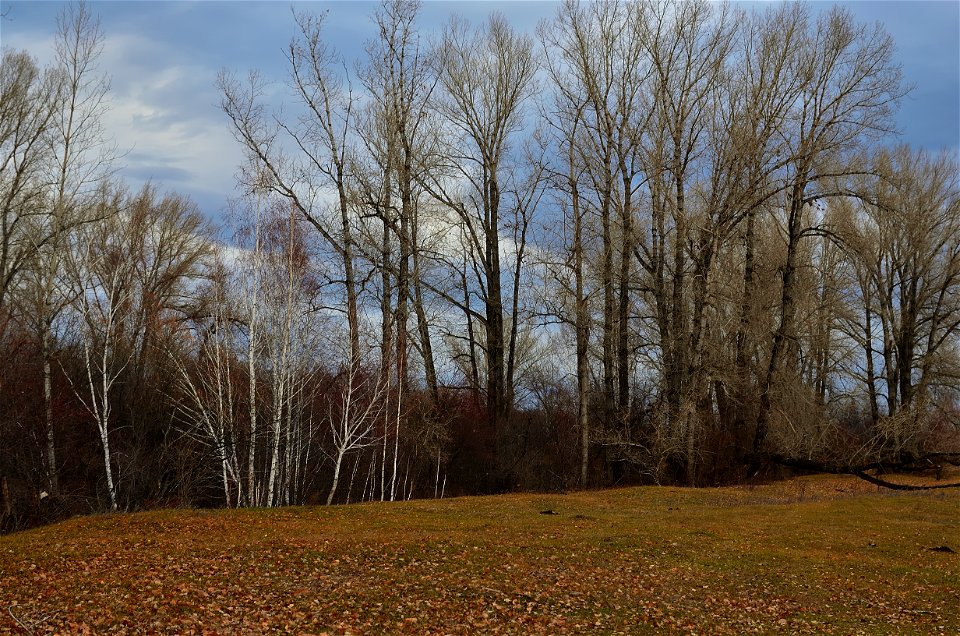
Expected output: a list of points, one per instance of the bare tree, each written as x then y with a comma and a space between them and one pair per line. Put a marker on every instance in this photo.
689, 45
763, 93
314, 179
486, 75
277, 304
573, 243
352, 416
903, 240
600, 52
125, 305
397, 137
82, 157
210, 406
399, 77
849, 85
103, 280
30, 100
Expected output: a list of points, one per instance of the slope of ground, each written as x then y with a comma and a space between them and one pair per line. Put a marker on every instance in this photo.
813, 555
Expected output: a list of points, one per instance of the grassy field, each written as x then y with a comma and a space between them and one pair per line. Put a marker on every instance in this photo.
812, 555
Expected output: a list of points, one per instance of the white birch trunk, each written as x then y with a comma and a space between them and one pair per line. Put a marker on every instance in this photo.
336, 476
396, 441
276, 432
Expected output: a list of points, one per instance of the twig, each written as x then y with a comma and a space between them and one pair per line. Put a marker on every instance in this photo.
18, 621
495, 591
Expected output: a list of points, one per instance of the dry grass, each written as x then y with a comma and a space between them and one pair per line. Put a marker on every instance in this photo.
812, 555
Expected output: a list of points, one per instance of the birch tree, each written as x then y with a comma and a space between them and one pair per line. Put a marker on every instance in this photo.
352, 416
79, 157
209, 383
102, 276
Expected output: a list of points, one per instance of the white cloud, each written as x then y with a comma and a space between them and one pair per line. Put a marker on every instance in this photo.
163, 113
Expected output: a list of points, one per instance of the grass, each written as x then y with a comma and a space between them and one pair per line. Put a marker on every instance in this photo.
813, 555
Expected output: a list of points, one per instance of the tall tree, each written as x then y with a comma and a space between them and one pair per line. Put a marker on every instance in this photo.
30, 100
849, 85
689, 45
903, 237
321, 138
486, 76
397, 135
103, 280
82, 157
601, 52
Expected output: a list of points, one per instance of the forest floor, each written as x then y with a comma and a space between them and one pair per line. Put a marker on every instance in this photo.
810, 555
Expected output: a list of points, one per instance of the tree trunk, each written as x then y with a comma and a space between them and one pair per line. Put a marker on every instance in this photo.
336, 476
276, 431
606, 276
784, 335
105, 443
496, 390
623, 308
423, 326
868, 354
581, 318
53, 482
471, 336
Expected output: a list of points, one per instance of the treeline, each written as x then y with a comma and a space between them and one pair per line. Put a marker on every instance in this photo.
653, 242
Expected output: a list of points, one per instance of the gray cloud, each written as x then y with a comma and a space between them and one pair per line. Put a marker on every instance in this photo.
164, 58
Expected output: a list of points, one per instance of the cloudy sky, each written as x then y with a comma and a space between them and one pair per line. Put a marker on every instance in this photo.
163, 58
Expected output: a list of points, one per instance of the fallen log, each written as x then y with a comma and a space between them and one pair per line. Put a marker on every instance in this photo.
861, 470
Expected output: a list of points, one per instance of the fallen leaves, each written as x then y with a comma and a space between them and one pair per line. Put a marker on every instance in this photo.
721, 561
